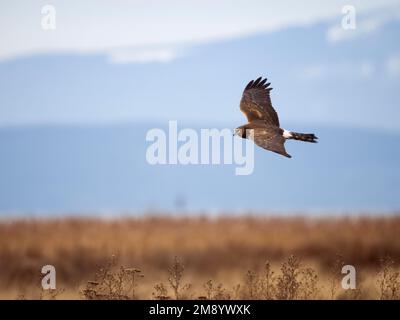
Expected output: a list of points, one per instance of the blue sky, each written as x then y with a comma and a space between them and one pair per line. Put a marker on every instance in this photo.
76, 102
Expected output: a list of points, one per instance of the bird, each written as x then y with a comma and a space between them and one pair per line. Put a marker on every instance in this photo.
263, 123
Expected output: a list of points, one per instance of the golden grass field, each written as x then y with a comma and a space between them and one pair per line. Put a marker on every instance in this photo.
166, 257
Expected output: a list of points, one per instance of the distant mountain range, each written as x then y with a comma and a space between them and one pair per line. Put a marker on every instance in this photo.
348, 83
97, 169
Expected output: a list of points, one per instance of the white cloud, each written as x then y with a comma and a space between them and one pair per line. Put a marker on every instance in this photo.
393, 65
144, 55
337, 33
363, 69
365, 24
100, 26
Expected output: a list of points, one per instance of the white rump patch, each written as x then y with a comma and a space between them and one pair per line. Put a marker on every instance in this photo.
287, 134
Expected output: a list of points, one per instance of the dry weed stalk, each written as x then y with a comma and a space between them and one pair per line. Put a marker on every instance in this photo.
308, 284
293, 282
175, 279
288, 282
50, 294
161, 292
215, 292
388, 280
268, 282
113, 285
335, 275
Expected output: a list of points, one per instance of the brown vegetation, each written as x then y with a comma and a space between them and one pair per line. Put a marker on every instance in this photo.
201, 258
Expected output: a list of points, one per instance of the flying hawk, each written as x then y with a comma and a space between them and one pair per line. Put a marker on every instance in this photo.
263, 120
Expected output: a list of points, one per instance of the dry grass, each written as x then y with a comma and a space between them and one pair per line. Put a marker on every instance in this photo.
201, 258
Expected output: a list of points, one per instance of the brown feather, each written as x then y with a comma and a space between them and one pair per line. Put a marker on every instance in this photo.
266, 136
256, 102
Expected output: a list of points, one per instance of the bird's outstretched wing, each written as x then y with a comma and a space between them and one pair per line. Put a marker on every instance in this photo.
269, 139
256, 102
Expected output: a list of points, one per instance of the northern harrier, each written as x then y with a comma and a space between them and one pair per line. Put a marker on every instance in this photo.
263, 120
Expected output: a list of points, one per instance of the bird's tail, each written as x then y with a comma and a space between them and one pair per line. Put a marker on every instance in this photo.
308, 137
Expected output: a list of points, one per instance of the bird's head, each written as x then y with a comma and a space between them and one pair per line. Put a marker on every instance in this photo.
240, 132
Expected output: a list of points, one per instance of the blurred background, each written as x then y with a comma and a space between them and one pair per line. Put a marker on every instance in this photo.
82, 82
77, 101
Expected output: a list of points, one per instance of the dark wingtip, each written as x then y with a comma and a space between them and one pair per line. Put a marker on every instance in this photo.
315, 138
260, 82
257, 82
266, 85
249, 84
